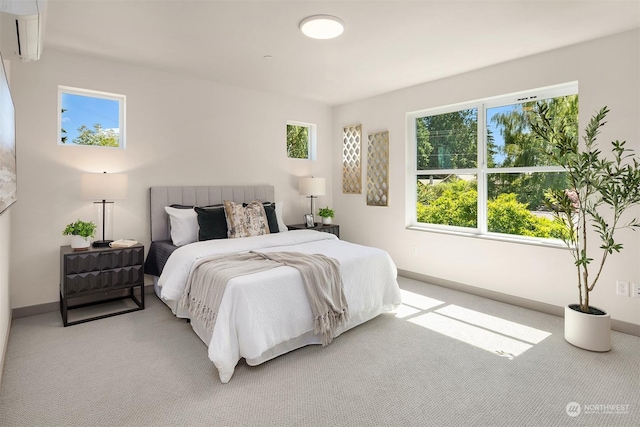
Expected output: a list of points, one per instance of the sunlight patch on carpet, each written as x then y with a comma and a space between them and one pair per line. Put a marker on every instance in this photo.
496, 324
499, 336
477, 337
413, 303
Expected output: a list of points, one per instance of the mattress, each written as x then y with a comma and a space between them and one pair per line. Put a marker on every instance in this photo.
267, 314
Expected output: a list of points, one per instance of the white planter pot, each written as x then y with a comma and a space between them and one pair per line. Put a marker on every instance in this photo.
326, 221
79, 243
588, 331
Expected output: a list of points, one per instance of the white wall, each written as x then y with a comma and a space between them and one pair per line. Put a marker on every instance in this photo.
190, 131
180, 131
608, 74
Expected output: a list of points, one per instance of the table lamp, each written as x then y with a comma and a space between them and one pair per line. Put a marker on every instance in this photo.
312, 187
104, 187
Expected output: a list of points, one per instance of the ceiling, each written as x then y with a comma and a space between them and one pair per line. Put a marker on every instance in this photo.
386, 45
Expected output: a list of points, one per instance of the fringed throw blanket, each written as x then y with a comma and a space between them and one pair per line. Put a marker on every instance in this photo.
320, 275
208, 278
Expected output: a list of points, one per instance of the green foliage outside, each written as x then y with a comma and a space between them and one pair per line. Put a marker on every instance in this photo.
455, 203
97, 136
522, 148
63, 132
449, 141
507, 215
297, 142
449, 203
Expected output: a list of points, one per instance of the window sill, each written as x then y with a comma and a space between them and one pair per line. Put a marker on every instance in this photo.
546, 243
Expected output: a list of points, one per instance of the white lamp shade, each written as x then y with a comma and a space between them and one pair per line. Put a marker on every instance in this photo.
104, 186
312, 186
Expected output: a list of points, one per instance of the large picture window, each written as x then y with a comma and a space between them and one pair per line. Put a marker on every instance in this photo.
477, 167
90, 118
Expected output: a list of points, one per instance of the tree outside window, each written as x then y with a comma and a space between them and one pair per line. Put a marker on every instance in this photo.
297, 142
90, 118
488, 176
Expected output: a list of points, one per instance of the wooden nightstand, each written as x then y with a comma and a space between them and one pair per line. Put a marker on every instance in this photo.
100, 271
331, 228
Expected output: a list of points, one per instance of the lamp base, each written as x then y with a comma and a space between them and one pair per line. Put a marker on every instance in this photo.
101, 243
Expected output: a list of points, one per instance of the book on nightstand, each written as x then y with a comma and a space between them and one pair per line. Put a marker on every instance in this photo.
123, 243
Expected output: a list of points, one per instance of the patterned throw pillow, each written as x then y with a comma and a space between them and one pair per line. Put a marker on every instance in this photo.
245, 221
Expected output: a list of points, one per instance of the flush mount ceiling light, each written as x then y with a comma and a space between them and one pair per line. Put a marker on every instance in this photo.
322, 26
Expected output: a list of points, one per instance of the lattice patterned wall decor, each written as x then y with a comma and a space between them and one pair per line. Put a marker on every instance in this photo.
351, 163
378, 169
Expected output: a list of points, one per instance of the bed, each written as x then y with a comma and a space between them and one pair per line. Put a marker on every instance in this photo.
262, 315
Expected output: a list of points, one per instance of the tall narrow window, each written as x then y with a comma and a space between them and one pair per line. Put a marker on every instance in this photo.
447, 160
519, 170
301, 140
90, 118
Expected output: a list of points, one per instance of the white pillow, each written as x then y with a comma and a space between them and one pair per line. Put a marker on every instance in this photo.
184, 225
281, 225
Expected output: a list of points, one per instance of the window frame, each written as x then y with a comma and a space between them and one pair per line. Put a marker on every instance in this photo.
95, 94
312, 128
481, 170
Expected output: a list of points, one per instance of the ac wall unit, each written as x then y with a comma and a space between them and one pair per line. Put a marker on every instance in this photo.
22, 28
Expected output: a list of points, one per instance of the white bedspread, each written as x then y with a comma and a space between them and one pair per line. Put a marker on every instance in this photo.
266, 314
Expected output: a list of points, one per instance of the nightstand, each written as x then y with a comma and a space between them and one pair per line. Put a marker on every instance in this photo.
100, 275
331, 228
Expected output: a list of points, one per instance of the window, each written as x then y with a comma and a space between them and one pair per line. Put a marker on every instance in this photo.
477, 168
90, 118
301, 138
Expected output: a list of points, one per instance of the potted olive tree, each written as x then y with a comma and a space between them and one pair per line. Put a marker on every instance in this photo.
80, 233
601, 187
326, 215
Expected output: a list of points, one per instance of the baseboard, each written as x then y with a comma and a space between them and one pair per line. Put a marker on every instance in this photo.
3, 356
33, 310
616, 325
48, 307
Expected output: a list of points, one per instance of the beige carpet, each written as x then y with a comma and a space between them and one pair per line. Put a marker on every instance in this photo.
149, 369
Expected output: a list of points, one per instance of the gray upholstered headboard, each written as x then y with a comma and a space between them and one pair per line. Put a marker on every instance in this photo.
199, 196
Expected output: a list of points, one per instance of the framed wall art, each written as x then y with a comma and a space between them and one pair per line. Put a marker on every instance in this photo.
8, 175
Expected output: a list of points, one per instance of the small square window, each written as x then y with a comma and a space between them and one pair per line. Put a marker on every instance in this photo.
301, 140
90, 118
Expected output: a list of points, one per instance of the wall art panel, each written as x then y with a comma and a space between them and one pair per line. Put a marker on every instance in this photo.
378, 169
351, 159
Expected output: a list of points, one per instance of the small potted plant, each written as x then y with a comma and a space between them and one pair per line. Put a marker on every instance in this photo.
601, 187
80, 233
326, 215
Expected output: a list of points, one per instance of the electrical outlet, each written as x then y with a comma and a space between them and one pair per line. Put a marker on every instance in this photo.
414, 250
622, 288
635, 290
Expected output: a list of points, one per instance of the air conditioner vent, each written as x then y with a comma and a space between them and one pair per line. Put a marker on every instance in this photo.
22, 28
